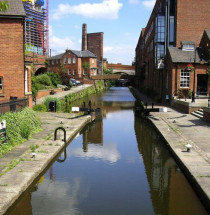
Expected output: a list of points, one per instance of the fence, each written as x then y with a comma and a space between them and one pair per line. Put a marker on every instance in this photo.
13, 104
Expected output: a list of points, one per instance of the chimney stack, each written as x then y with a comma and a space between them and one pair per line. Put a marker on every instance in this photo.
84, 37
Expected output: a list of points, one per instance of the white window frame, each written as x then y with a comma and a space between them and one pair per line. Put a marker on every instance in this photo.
184, 78
69, 60
74, 72
26, 80
69, 72
64, 60
74, 59
93, 60
1, 84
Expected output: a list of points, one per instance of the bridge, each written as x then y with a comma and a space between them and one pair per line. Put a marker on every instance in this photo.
121, 69
112, 77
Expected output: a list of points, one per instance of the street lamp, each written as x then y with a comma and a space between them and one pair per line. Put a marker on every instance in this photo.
193, 92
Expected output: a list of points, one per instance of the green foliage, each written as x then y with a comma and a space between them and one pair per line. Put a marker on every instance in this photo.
4, 6
44, 79
58, 102
184, 93
20, 126
107, 71
34, 147
55, 78
86, 65
40, 108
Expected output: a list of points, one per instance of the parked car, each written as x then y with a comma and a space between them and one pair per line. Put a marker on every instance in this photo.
78, 82
73, 81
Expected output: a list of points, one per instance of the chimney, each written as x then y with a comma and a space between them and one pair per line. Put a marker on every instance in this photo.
84, 37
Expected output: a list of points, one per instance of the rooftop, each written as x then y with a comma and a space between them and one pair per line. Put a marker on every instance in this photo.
179, 56
16, 9
79, 54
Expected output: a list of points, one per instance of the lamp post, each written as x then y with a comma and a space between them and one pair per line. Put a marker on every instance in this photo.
193, 92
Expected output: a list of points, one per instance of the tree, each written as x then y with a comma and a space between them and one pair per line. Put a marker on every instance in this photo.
86, 66
107, 71
4, 6
63, 74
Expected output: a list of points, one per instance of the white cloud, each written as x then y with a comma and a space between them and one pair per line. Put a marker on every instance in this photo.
108, 49
59, 45
149, 4
108, 152
76, 27
107, 9
134, 1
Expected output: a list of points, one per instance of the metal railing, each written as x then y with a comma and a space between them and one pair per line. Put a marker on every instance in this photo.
13, 104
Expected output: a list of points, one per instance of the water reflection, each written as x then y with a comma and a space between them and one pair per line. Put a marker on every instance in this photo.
170, 191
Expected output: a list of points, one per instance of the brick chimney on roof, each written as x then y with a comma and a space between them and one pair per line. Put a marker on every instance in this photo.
84, 37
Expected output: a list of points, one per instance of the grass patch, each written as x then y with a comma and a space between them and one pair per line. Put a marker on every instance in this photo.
12, 164
34, 147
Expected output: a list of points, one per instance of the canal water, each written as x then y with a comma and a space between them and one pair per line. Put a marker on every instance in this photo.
117, 165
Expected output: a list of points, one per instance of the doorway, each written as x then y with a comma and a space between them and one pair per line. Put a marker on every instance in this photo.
202, 85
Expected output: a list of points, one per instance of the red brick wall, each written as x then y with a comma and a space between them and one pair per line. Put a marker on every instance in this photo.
12, 59
192, 18
43, 93
95, 44
120, 66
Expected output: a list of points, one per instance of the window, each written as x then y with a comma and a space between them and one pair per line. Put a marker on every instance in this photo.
26, 80
188, 47
185, 78
52, 62
74, 60
160, 22
1, 84
69, 60
79, 71
69, 71
64, 60
74, 72
93, 60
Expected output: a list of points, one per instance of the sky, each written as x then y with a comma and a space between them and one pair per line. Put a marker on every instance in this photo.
121, 22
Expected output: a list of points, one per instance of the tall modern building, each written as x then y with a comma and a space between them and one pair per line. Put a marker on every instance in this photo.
36, 34
173, 23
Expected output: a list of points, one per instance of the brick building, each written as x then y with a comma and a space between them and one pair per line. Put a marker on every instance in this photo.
15, 80
94, 43
174, 31
74, 62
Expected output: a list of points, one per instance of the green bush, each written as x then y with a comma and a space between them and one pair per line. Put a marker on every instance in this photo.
55, 78
44, 79
20, 126
58, 102
40, 107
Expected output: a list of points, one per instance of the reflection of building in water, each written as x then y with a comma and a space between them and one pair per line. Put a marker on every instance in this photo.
93, 134
170, 191
24, 207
